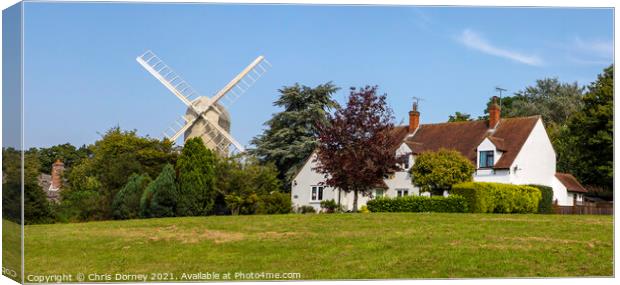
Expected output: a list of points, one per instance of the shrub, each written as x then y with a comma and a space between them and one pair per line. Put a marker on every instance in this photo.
305, 209
245, 183
485, 197
436, 171
546, 202
330, 206
242, 205
126, 203
450, 204
274, 203
164, 194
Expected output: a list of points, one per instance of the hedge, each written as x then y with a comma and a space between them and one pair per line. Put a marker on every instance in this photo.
546, 202
486, 197
454, 203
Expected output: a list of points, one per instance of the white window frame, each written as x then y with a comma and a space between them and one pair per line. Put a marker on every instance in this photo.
492, 152
317, 193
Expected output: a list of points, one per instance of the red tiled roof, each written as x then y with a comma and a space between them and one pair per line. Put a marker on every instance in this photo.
498, 142
570, 182
514, 132
509, 136
461, 136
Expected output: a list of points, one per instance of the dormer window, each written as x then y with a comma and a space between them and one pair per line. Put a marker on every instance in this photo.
486, 159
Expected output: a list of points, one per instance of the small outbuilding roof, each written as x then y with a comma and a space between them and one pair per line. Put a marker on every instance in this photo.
570, 182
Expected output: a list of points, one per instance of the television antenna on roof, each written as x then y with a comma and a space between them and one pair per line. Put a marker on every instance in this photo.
416, 101
500, 90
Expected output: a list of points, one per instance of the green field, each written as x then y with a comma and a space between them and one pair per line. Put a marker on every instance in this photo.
336, 246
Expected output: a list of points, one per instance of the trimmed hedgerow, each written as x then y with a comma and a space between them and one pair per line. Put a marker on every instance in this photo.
450, 204
546, 202
486, 197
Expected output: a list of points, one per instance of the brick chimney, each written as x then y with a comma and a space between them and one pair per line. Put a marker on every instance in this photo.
57, 168
494, 113
414, 117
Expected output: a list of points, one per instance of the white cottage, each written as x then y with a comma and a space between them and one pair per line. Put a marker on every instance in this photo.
510, 150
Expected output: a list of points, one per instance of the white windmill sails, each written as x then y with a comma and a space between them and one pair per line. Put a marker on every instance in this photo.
215, 136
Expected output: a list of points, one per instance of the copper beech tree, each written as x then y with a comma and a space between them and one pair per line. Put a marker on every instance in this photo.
357, 145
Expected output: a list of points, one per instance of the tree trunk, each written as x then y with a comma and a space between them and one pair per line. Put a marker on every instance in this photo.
355, 200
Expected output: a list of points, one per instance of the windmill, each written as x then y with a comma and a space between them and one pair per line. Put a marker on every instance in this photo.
206, 117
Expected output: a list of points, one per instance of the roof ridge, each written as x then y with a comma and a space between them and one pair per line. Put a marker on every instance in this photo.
455, 123
476, 121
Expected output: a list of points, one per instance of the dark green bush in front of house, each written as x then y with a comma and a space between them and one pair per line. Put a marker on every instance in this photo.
305, 209
486, 197
275, 203
331, 206
450, 204
546, 201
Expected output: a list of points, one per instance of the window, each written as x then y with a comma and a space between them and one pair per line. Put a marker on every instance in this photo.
379, 193
402, 192
486, 159
317, 193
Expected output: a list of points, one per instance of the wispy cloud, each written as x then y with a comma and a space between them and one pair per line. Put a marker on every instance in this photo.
596, 47
594, 52
473, 40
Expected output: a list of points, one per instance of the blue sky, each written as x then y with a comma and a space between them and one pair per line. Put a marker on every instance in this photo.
81, 77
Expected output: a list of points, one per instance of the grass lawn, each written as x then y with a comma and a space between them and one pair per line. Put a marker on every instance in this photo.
336, 246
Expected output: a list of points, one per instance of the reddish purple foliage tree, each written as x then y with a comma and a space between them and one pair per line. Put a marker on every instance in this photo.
357, 147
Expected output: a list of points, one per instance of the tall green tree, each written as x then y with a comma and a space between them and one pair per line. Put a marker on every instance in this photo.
114, 158
196, 170
67, 153
291, 135
555, 101
83, 202
586, 144
11, 185
126, 204
460, 117
437, 171
163, 194
35, 205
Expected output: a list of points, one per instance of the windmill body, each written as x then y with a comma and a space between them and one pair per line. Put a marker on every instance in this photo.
203, 129
206, 117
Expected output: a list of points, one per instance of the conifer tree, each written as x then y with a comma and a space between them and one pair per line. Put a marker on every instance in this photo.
164, 194
291, 135
126, 203
196, 168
